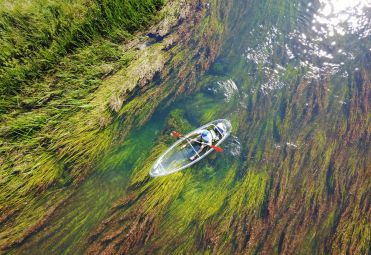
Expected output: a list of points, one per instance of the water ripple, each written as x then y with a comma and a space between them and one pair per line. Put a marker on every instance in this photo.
327, 42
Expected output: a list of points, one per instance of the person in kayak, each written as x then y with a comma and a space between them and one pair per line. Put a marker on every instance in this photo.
204, 140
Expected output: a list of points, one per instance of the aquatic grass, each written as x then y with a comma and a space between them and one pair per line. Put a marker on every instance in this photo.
253, 186
198, 201
24, 126
33, 207
175, 121
215, 8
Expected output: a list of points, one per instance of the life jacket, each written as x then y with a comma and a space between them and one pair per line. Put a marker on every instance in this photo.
206, 136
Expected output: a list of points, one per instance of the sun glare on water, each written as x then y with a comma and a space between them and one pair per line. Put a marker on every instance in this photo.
343, 16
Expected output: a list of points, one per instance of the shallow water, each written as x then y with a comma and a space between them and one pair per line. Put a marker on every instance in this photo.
285, 73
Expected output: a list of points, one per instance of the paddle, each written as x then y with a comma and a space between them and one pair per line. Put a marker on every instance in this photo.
216, 148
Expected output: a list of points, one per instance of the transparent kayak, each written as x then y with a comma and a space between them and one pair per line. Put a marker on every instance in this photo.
177, 157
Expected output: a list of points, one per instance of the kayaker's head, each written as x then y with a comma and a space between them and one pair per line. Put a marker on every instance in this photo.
205, 135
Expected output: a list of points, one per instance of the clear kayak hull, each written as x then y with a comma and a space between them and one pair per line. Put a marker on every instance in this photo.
177, 156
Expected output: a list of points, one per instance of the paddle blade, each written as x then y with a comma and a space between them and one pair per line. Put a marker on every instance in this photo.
216, 148
176, 134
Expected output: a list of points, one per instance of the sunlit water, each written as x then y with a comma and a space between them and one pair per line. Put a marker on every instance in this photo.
266, 42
